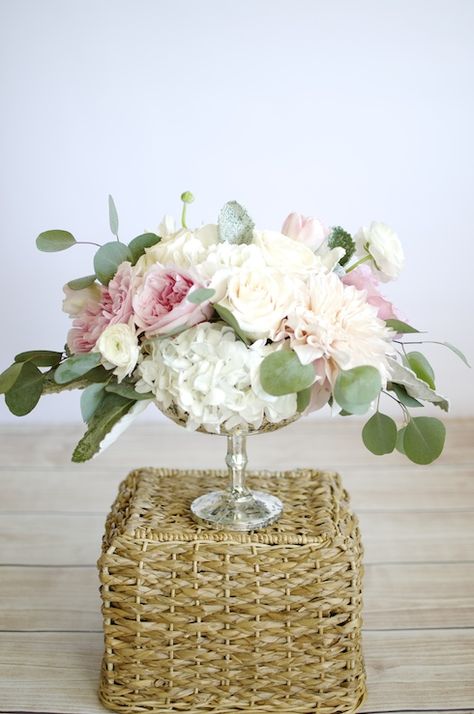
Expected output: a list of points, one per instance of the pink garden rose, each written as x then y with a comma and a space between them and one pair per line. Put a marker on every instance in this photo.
117, 301
362, 278
160, 303
87, 327
309, 231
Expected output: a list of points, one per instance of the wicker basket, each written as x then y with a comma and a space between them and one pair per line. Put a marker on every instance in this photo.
198, 620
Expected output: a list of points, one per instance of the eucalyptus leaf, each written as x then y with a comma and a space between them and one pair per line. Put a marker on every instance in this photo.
25, 393
76, 366
108, 258
91, 398
54, 241
416, 388
81, 283
235, 224
303, 398
109, 413
282, 373
380, 434
41, 358
113, 217
418, 363
423, 440
403, 396
228, 317
200, 295
400, 436
9, 377
457, 352
127, 391
356, 388
138, 245
400, 327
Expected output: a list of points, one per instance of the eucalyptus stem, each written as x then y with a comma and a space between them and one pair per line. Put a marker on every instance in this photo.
365, 259
88, 242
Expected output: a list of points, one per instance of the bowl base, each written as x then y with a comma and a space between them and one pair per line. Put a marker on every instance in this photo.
249, 512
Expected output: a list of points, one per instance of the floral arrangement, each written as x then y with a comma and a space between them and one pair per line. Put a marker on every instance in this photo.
227, 327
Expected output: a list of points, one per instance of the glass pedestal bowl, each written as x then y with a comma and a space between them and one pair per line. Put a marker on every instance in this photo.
236, 507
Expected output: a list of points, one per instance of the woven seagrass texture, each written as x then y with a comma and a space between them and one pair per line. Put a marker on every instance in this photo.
197, 620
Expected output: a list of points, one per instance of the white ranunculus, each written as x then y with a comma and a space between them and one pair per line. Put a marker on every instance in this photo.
282, 252
259, 298
118, 346
383, 245
184, 249
76, 300
208, 375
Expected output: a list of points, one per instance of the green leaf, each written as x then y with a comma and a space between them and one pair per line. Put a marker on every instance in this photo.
380, 434
200, 295
356, 388
456, 351
282, 373
112, 408
41, 358
76, 366
108, 258
235, 224
416, 388
403, 396
400, 437
127, 391
24, 395
138, 245
303, 399
91, 398
228, 317
113, 217
400, 327
81, 283
9, 377
424, 439
54, 241
421, 367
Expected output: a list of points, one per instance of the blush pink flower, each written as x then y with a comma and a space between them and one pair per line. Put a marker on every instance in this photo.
309, 231
117, 301
362, 278
160, 304
87, 327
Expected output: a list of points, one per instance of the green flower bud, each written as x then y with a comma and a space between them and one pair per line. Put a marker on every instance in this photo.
187, 197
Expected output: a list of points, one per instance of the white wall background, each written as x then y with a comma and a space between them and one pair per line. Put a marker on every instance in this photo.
348, 110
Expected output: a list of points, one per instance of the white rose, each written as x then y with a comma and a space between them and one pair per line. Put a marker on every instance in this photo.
76, 300
383, 245
284, 253
259, 298
184, 249
229, 255
118, 346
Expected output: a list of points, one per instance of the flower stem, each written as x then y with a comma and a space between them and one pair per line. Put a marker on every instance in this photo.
88, 242
359, 262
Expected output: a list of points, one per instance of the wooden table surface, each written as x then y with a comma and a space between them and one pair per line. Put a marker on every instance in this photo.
417, 525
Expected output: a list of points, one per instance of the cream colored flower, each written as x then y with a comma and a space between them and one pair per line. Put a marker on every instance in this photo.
224, 256
184, 249
75, 301
383, 245
282, 252
211, 380
259, 298
336, 324
118, 346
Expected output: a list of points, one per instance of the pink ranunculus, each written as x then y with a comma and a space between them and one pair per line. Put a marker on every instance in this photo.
117, 302
362, 278
309, 231
160, 303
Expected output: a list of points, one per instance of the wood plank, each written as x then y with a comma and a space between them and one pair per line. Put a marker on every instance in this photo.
332, 445
395, 597
389, 537
92, 489
419, 671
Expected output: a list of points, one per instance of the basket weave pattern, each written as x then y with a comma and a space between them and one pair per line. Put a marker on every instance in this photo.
197, 620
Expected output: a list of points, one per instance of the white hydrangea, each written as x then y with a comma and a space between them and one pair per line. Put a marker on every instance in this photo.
212, 380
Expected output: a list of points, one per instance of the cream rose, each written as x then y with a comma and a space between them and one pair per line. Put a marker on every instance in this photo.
118, 346
184, 249
382, 244
76, 301
282, 252
259, 298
